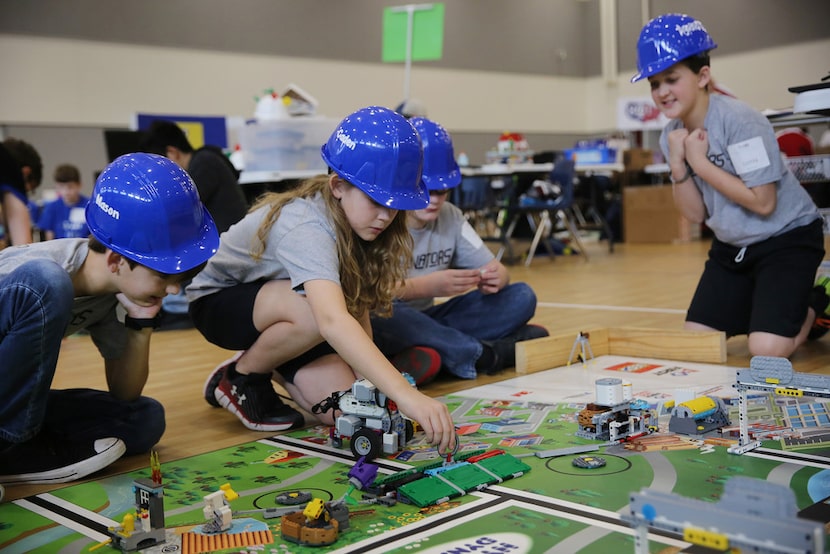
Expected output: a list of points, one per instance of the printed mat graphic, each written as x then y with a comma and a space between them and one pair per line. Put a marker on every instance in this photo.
554, 507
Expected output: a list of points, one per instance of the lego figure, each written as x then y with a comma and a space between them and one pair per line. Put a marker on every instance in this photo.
217, 509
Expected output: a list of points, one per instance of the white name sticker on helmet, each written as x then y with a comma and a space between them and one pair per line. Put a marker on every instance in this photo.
106, 208
689, 28
345, 139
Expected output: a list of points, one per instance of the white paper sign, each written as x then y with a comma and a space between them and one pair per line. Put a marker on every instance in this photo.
748, 155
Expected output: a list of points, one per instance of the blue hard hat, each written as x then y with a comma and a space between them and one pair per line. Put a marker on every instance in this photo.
379, 152
668, 39
441, 171
147, 208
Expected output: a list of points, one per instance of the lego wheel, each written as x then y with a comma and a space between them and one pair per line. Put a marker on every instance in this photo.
409, 431
365, 443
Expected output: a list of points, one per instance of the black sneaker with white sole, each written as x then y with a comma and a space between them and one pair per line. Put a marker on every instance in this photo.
215, 376
254, 401
49, 459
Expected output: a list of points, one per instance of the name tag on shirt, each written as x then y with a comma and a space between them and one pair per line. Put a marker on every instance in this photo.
77, 215
748, 155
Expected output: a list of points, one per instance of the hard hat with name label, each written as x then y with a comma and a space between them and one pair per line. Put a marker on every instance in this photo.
379, 152
441, 171
147, 208
668, 39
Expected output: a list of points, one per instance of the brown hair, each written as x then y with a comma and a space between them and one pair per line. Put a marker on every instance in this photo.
67, 173
370, 271
26, 156
97, 246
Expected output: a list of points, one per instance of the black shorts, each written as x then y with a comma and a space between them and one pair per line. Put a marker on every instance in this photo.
766, 288
226, 319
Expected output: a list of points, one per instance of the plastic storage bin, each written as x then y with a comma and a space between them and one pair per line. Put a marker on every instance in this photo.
810, 169
598, 155
285, 144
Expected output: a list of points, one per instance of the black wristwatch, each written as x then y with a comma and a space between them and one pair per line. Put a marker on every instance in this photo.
139, 323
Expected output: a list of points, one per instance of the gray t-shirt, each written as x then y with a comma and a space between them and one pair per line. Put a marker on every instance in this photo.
449, 242
100, 315
742, 142
300, 246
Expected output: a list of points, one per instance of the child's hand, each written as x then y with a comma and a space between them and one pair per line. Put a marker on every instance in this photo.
677, 148
451, 282
434, 417
490, 280
696, 145
138, 311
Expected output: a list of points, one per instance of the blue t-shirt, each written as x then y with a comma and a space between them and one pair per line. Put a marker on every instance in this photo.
67, 222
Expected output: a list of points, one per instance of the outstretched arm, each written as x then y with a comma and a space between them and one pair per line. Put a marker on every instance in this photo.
348, 337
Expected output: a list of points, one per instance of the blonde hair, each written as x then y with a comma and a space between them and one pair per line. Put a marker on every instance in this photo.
370, 271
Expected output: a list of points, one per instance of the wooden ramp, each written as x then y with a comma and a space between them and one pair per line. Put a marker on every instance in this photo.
556, 351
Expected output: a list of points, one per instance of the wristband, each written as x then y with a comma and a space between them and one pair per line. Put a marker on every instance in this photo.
139, 323
682, 179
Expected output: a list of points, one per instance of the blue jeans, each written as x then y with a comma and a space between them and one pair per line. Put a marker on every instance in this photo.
456, 327
35, 308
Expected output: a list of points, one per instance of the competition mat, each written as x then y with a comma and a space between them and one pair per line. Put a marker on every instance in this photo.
555, 506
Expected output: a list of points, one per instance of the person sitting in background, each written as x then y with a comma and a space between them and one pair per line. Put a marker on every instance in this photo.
475, 331
215, 178
143, 246
63, 218
20, 173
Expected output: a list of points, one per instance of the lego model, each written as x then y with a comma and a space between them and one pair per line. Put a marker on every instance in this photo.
585, 352
776, 375
439, 482
312, 526
615, 416
293, 498
752, 515
217, 510
588, 462
371, 421
146, 527
699, 416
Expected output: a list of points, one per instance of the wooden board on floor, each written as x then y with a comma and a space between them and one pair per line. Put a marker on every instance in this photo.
554, 351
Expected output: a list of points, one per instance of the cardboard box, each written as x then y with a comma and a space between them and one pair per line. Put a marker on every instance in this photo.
636, 159
650, 216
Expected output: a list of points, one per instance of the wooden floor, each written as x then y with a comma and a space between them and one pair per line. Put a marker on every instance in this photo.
636, 286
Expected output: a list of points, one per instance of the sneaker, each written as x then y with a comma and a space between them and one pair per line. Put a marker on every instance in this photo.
51, 459
254, 401
214, 378
819, 300
505, 348
420, 362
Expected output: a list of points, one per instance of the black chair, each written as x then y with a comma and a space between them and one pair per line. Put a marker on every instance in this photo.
484, 204
542, 209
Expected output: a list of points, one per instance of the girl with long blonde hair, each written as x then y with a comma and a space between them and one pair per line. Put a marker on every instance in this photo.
294, 282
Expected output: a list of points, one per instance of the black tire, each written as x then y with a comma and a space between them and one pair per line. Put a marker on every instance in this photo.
366, 443
409, 431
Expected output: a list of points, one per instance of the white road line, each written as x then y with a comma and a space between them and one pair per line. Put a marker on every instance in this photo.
59, 519
609, 308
